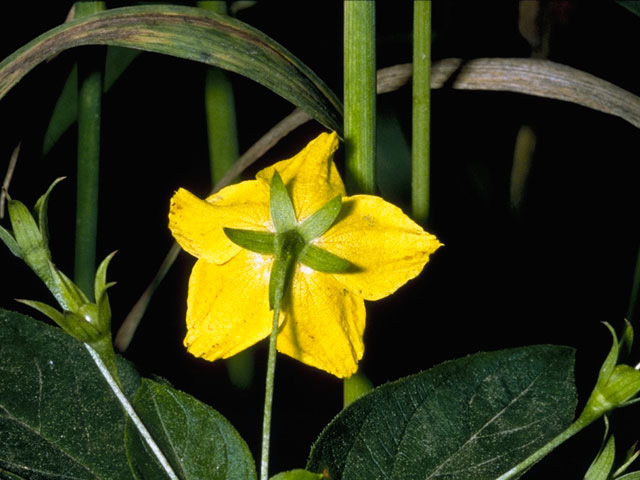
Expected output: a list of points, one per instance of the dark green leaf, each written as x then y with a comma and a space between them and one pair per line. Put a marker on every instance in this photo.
259, 242
297, 474
631, 5
197, 440
472, 418
190, 33
323, 261
58, 417
320, 221
283, 215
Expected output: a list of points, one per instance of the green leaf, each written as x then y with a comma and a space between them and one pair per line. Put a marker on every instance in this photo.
323, 261
321, 221
259, 242
297, 474
282, 213
58, 417
631, 5
190, 33
472, 418
601, 466
197, 441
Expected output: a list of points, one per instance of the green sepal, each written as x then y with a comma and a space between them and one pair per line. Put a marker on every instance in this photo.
627, 335
318, 223
603, 463
323, 261
69, 296
10, 242
79, 327
283, 215
40, 210
259, 242
298, 474
100, 292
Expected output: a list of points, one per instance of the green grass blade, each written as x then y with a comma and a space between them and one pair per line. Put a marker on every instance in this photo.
193, 34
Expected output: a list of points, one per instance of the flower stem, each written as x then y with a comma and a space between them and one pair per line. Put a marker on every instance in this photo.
421, 121
528, 462
359, 95
268, 395
90, 69
128, 408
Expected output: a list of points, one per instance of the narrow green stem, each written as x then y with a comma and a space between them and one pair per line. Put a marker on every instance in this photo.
268, 396
359, 120
528, 462
90, 69
355, 387
633, 297
421, 120
359, 95
128, 408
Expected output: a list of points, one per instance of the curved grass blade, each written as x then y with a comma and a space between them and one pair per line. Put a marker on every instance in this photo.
193, 34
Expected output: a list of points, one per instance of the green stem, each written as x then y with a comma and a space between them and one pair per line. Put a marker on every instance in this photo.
268, 396
359, 95
526, 464
355, 387
421, 120
90, 69
633, 298
359, 121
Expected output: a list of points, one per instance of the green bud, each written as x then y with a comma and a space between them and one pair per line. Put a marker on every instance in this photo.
31, 245
616, 385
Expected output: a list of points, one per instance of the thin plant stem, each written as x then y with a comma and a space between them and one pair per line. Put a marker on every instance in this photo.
268, 396
359, 95
421, 117
128, 408
359, 122
90, 69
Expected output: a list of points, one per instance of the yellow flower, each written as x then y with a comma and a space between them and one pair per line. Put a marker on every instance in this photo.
322, 317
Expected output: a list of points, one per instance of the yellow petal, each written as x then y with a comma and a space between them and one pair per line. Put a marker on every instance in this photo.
311, 177
197, 224
323, 324
228, 306
386, 246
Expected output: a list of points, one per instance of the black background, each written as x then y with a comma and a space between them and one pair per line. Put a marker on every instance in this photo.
548, 272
